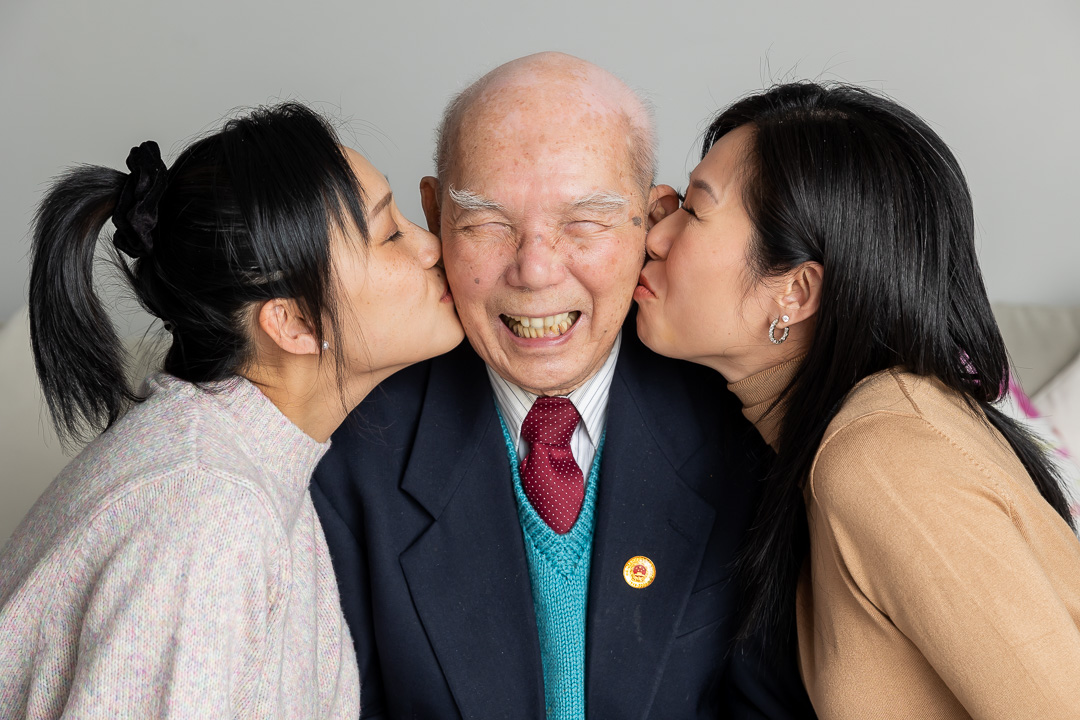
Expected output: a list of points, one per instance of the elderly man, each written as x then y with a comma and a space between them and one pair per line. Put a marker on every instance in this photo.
543, 524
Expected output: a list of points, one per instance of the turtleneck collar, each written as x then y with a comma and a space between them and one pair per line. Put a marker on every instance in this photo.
283, 450
759, 391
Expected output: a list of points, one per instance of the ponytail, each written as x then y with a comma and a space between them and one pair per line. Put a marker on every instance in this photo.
78, 355
243, 216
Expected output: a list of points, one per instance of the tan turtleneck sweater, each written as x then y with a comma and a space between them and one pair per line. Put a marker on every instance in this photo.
940, 584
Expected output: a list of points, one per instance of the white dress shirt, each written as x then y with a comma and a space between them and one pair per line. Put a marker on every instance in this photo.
590, 400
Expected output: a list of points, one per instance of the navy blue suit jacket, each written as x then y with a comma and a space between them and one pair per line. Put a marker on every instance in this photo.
416, 499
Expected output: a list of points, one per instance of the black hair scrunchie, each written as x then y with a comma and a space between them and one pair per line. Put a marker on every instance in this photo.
136, 213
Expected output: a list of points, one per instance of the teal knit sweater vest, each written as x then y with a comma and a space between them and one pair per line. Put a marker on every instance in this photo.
559, 571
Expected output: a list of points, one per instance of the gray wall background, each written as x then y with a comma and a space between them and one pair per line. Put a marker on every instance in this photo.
83, 82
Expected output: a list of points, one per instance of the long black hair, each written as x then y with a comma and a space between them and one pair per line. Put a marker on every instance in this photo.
843, 177
243, 216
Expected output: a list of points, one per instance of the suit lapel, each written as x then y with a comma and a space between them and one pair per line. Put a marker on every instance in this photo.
467, 573
643, 508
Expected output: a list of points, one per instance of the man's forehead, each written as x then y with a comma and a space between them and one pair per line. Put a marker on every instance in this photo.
543, 124
543, 155
540, 113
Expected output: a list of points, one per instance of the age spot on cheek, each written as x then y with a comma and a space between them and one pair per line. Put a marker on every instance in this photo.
637, 221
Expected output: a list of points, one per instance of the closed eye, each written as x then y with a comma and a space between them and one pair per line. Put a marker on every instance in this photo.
396, 236
589, 224
488, 227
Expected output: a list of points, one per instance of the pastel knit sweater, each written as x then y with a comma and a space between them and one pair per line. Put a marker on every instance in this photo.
176, 568
559, 575
940, 584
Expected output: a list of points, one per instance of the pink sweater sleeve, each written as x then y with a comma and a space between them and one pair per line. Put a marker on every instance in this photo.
179, 581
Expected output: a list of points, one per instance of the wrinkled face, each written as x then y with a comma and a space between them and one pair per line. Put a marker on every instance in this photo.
543, 230
396, 309
697, 299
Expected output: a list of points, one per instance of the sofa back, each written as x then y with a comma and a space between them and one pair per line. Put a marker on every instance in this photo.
1041, 340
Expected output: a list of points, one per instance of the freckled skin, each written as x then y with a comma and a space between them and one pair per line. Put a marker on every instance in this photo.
534, 146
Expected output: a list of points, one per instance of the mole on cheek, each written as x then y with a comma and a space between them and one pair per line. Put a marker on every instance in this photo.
477, 281
637, 221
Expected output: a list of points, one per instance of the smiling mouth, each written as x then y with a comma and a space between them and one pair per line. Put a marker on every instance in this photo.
538, 327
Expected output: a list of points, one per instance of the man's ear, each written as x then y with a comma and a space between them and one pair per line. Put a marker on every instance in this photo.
663, 200
284, 324
800, 295
429, 198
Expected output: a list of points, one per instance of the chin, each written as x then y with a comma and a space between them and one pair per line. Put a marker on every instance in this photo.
644, 332
660, 342
542, 377
447, 341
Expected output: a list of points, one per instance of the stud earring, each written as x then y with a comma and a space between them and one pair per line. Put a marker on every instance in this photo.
325, 345
785, 318
772, 328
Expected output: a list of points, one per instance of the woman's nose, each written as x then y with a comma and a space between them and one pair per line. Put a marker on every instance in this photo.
428, 247
658, 241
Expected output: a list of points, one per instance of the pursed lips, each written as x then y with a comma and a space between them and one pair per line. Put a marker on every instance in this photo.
644, 290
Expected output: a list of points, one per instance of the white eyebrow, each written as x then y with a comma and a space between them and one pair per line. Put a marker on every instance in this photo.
603, 201
472, 201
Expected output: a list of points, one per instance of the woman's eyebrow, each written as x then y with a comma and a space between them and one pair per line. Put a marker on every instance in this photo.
382, 204
702, 185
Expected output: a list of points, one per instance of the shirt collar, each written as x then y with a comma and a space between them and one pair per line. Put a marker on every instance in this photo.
590, 400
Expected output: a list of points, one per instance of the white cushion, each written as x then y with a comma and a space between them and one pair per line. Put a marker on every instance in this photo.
1058, 405
1042, 340
30, 449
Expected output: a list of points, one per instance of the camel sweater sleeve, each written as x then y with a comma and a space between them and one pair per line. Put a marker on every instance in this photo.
939, 542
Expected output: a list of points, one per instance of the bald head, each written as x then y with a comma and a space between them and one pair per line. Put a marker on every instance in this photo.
547, 90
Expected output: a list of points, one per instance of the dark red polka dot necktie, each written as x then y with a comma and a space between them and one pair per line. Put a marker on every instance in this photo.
550, 475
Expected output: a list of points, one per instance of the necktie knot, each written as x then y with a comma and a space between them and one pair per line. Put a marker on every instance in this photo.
551, 421
550, 477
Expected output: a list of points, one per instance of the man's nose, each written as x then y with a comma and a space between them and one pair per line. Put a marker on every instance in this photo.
538, 263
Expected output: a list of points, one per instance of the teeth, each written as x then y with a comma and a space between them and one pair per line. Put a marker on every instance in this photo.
538, 327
